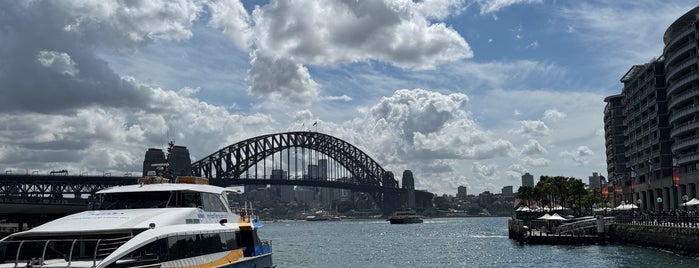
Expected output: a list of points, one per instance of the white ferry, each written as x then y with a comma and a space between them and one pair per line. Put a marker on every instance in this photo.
145, 225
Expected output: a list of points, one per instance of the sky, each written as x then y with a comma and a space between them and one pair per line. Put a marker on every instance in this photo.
461, 92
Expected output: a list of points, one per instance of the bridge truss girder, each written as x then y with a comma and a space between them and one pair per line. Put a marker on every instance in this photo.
234, 160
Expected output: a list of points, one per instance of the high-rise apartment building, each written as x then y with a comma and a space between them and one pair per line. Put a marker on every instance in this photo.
652, 127
528, 180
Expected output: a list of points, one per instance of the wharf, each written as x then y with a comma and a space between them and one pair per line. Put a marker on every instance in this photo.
676, 233
584, 231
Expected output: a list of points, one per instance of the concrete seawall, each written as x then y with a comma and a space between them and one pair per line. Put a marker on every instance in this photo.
682, 240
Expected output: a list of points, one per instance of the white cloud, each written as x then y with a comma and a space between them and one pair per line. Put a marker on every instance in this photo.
534, 162
484, 171
337, 98
518, 169
327, 33
439, 9
231, 17
553, 115
60, 62
117, 23
493, 6
579, 155
280, 78
533, 148
531, 128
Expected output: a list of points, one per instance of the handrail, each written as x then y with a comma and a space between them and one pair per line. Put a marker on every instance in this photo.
43, 253
70, 254
46, 242
17, 255
94, 256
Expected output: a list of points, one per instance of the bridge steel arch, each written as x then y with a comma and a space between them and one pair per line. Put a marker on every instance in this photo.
234, 160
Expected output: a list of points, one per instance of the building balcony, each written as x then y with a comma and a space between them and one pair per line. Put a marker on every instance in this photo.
674, 100
669, 59
683, 112
672, 70
683, 128
689, 158
694, 141
677, 38
674, 85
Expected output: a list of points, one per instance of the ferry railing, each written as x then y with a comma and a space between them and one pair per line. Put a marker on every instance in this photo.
97, 252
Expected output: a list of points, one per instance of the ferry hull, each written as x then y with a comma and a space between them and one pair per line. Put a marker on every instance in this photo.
262, 261
405, 221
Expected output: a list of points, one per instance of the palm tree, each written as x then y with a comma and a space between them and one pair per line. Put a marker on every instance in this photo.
525, 193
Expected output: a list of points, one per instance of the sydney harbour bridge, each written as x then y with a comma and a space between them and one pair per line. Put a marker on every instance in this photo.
301, 158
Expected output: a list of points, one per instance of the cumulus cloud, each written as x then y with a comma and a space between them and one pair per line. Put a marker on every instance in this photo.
231, 17
579, 155
554, 114
422, 124
281, 78
533, 147
48, 51
60, 62
531, 128
294, 34
484, 171
518, 169
492, 6
98, 139
325, 33
534, 162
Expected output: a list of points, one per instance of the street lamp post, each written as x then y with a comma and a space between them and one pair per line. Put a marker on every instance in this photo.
660, 203
685, 198
639, 202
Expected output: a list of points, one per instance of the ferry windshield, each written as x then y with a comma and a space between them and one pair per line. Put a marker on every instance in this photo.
135, 200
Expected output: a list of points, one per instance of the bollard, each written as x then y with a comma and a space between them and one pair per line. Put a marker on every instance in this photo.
601, 237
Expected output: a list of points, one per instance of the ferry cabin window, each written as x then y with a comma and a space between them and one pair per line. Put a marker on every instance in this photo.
185, 199
212, 202
134, 200
178, 247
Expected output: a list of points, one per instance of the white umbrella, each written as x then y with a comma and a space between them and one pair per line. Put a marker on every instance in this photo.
545, 217
692, 202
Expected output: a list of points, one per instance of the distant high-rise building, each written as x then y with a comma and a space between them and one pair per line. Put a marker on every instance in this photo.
594, 180
528, 180
323, 169
461, 192
507, 191
313, 173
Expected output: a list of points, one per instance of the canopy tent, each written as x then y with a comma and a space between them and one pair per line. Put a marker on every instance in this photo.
556, 217
545, 217
523, 208
626, 207
602, 209
692, 202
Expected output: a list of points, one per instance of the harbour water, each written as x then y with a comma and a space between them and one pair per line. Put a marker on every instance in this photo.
441, 242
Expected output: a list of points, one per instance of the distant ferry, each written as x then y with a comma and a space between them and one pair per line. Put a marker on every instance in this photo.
151, 224
323, 218
404, 216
